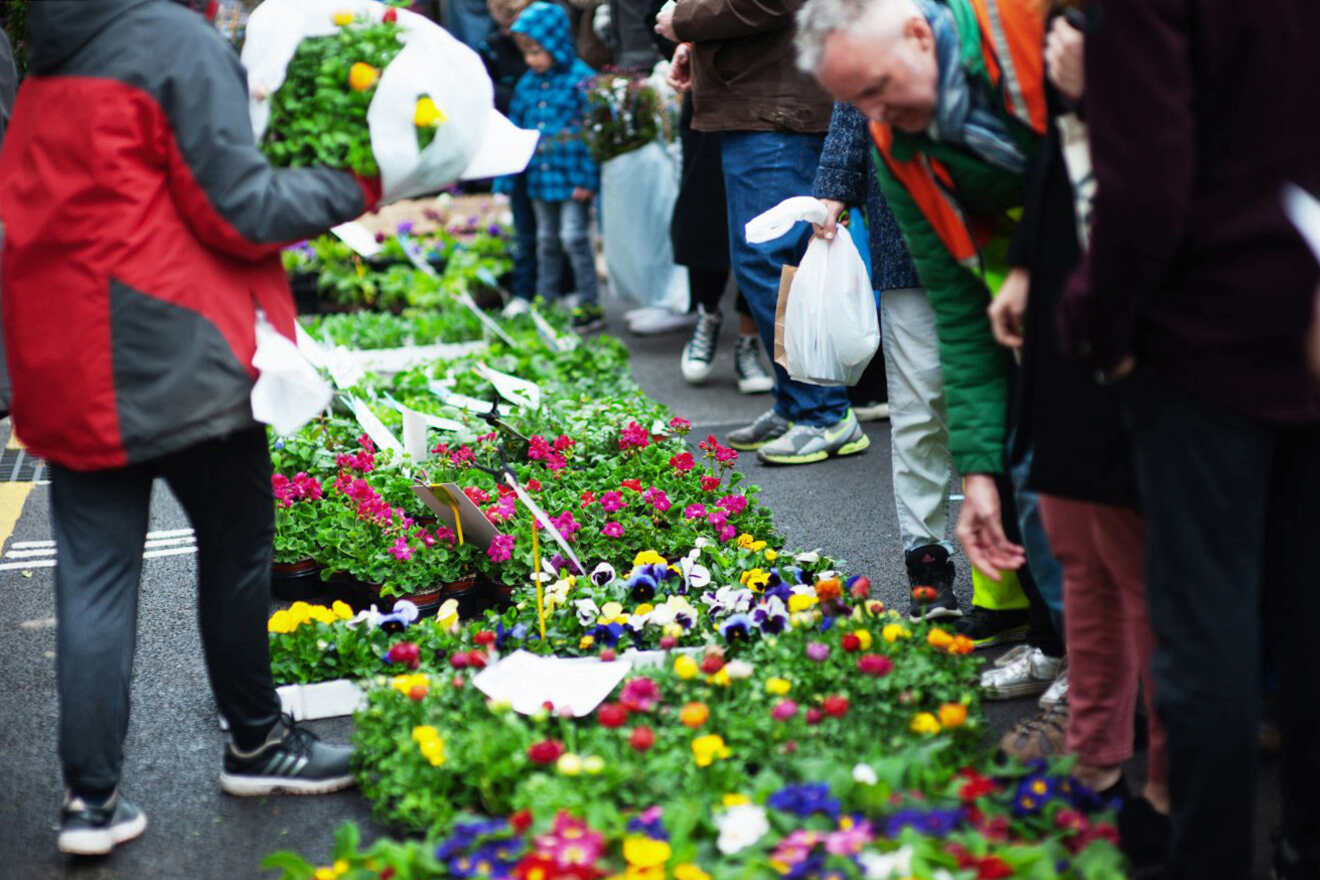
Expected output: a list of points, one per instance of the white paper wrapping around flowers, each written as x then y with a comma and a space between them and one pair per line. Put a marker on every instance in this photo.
526, 681
288, 392
473, 141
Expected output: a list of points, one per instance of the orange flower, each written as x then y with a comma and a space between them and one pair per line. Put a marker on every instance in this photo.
828, 589
938, 638
962, 645
362, 76
953, 715
924, 594
694, 714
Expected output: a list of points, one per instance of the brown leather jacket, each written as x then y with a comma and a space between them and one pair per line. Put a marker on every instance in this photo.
744, 71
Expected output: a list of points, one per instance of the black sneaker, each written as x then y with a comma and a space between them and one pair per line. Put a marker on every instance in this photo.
588, 317
292, 761
930, 575
986, 627
89, 830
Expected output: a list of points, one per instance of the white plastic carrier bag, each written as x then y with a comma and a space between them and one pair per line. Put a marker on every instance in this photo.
830, 329
288, 392
474, 141
637, 194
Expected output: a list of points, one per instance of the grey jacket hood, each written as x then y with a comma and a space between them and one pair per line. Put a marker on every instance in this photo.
57, 29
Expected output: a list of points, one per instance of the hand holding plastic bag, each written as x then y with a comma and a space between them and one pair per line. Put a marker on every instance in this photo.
830, 330
289, 392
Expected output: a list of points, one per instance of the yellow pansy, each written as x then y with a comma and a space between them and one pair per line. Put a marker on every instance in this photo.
340, 866
801, 601
745, 541
924, 723
755, 579
689, 871
446, 618
735, 800
405, 683
672, 629
281, 622
771, 555
863, 636
610, 610
427, 115
430, 744
648, 557
644, 608
343, 17
341, 610
706, 749
721, 678
686, 667
894, 631
569, 764
645, 852
325, 873
586, 642
778, 686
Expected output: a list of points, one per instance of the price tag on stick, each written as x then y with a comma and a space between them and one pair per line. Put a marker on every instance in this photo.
445, 500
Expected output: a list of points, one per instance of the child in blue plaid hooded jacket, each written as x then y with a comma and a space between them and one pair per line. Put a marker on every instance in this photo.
562, 177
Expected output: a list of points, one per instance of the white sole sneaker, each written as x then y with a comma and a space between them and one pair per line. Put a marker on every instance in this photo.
241, 785
756, 384
99, 841
874, 413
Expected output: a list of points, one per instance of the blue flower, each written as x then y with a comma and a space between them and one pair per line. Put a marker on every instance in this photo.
809, 867
780, 591
736, 626
826, 622
803, 800
936, 823
641, 587
652, 827
609, 633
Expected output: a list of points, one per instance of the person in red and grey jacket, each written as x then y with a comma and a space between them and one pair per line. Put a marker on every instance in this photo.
143, 230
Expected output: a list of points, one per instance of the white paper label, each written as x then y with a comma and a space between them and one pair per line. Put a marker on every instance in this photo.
517, 391
375, 428
358, 237
527, 681
545, 523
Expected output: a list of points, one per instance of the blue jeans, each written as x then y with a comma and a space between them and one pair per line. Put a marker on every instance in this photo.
524, 240
761, 169
469, 22
562, 228
1044, 567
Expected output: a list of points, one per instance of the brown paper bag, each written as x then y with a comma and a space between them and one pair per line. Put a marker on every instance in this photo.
786, 274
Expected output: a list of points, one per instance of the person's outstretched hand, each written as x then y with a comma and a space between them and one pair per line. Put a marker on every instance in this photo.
1009, 307
827, 229
981, 530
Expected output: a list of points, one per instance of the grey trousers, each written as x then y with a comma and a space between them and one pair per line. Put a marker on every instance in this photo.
99, 522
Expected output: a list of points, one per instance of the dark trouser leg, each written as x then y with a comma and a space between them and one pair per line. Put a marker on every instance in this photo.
1292, 604
99, 522
524, 246
707, 286
1205, 479
224, 485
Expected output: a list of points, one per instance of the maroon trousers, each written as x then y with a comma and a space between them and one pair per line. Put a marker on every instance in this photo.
1109, 637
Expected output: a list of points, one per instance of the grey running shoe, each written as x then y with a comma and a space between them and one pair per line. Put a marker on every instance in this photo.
804, 444
752, 377
768, 426
293, 760
699, 353
89, 830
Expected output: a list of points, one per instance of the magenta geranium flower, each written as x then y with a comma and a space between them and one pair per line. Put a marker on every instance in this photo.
612, 530
817, 651
784, 710
640, 694
401, 551
501, 548
612, 501
634, 436
683, 462
694, 511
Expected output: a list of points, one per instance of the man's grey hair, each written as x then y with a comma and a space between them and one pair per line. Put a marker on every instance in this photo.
819, 18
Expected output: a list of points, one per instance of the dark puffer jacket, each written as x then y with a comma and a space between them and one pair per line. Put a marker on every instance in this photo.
143, 233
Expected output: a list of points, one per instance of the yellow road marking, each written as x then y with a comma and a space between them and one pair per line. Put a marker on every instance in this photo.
12, 498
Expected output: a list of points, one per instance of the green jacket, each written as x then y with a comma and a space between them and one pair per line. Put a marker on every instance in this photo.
975, 367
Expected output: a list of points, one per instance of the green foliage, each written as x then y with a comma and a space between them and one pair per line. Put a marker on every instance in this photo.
624, 112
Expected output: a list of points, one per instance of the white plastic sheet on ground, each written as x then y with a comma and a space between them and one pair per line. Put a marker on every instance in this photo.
831, 330
474, 141
637, 195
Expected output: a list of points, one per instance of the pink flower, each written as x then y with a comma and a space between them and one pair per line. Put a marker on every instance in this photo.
734, 504
848, 841
728, 533
501, 548
634, 436
875, 664
640, 694
401, 551
446, 534
817, 651
612, 501
425, 537
476, 496
563, 442
567, 526
682, 463
718, 518
694, 511
612, 530
657, 499
784, 710
463, 456
680, 424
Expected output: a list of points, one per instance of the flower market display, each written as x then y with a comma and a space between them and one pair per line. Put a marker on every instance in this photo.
764, 716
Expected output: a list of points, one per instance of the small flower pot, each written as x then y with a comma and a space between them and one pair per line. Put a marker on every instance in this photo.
296, 581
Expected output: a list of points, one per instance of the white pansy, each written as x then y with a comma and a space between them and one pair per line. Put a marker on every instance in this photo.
740, 827
407, 610
738, 669
603, 575
865, 774
701, 543
809, 558
587, 611
886, 866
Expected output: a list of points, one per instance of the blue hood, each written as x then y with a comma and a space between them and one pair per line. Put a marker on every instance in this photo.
548, 24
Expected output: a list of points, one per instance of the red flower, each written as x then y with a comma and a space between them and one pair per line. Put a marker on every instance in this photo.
712, 663
521, 820
992, 868
608, 655
875, 664
612, 715
485, 637
640, 694
405, 652
1070, 820
388, 873
534, 485
861, 587
391, 15
667, 642
815, 716
851, 642
588, 498
476, 659
547, 751
417, 693
642, 738
835, 707
635, 485
458, 660
710, 484
976, 785
682, 462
